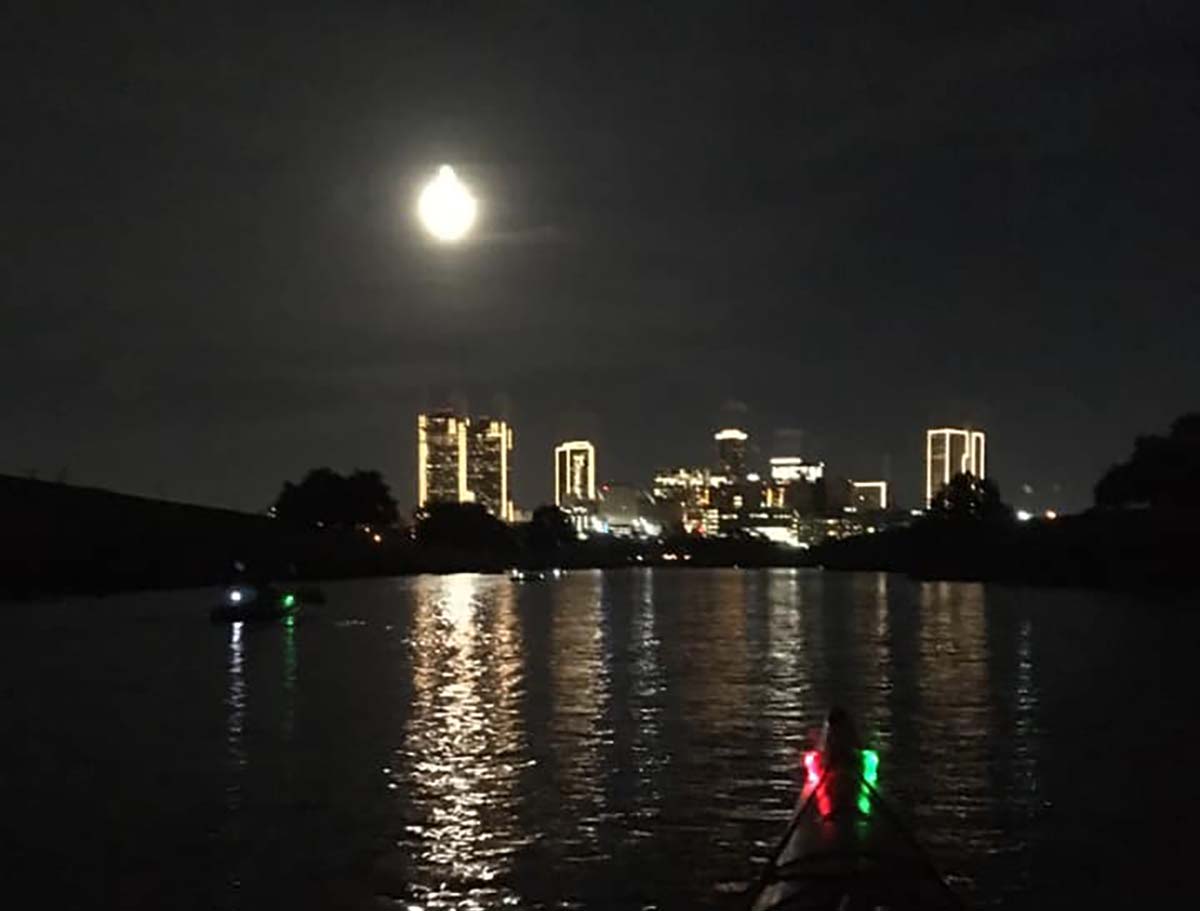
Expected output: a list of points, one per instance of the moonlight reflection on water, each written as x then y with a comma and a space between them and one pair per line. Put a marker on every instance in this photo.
619, 739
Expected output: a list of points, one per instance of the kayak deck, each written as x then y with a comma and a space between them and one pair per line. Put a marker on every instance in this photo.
845, 849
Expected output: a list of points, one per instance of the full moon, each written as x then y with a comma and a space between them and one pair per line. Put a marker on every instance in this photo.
446, 206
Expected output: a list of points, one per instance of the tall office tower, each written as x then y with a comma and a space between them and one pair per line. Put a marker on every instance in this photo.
441, 458
950, 451
574, 473
731, 452
489, 466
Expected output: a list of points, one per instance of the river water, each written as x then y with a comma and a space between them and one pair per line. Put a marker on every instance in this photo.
610, 740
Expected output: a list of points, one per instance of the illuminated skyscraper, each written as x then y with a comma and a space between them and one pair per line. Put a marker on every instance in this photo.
441, 458
574, 473
869, 496
489, 466
731, 452
950, 451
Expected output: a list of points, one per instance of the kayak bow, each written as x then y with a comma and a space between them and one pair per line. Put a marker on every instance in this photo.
845, 848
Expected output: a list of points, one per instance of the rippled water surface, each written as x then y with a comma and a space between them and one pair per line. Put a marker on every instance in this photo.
623, 740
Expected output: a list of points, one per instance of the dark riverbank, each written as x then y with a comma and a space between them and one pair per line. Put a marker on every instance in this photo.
1098, 549
59, 539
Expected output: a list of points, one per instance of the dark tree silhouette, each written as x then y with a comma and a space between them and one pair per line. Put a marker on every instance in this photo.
550, 531
464, 526
1162, 473
968, 498
370, 500
327, 498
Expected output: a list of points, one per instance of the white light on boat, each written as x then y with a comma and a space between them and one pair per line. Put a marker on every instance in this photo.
235, 596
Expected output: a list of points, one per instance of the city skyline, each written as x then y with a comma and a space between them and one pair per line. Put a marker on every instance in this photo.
206, 304
465, 460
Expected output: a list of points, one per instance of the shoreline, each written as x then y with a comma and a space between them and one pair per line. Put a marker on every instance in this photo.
70, 541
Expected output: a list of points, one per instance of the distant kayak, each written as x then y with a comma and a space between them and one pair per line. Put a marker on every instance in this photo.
262, 602
845, 848
534, 575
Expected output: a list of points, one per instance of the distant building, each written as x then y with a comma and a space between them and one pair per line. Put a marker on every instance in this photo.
950, 451
798, 496
574, 473
869, 496
460, 461
785, 469
441, 458
685, 494
794, 484
813, 530
740, 505
731, 452
626, 511
835, 495
776, 525
489, 466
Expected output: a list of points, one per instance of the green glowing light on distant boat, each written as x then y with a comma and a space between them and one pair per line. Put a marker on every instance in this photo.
289, 600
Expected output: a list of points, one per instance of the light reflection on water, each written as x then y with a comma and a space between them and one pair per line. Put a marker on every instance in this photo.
610, 740
648, 757
235, 700
579, 737
462, 751
956, 801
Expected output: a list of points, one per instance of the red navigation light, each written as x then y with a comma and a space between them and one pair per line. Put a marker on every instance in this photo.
812, 766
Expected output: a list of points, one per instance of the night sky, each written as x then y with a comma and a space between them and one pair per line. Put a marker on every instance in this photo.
833, 224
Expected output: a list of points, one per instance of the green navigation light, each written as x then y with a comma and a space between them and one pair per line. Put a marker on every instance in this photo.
870, 775
288, 600
870, 761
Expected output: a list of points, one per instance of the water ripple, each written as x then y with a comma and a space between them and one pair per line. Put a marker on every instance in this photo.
610, 740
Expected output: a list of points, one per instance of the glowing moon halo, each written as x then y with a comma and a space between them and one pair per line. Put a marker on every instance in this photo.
446, 207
